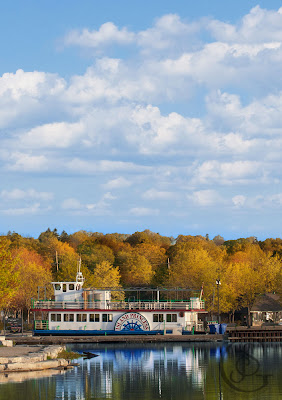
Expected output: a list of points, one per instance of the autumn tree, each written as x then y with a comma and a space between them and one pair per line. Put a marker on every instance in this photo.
34, 272
93, 253
135, 269
9, 276
148, 237
105, 275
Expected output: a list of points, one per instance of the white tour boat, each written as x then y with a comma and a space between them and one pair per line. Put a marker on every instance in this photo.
78, 311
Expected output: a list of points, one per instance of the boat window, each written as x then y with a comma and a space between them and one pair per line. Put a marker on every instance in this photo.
161, 318
110, 317
66, 317
64, 287
58, 317
53, 317
57, 286
94, 317
104, 318
155, 317
71, 317
78, 317
71, 286
84, 317
171, 317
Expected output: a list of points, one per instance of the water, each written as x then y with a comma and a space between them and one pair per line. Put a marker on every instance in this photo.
158, 371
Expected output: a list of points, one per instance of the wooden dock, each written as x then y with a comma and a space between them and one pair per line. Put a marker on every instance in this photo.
49, 340
255, 334
233, 334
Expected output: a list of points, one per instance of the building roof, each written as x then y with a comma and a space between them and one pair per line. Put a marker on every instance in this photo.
267, 302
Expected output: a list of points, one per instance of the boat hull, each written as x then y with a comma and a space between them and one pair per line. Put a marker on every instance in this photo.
53, 332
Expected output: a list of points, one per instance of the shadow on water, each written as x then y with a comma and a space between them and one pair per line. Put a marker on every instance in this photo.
162, 371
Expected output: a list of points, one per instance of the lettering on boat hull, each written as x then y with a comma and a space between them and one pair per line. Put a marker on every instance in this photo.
132, 322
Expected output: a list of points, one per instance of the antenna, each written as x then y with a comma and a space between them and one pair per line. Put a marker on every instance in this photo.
79, 276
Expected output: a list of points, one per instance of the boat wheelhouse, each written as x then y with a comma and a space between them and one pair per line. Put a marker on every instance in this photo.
78, 311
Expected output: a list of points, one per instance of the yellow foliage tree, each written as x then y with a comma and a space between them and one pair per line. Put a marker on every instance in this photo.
105, 275
9, 276
33, 272
135, 269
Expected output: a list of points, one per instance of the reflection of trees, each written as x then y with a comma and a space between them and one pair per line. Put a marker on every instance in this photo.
43, 389
157, 371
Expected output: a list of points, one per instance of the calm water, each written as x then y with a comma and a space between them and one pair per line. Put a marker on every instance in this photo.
159, 371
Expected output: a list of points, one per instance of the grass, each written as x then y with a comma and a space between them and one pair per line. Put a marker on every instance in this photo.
68, 355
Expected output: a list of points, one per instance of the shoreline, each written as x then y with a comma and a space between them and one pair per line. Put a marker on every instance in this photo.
31, 358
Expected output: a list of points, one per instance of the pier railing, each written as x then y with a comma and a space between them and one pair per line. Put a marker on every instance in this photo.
106, 305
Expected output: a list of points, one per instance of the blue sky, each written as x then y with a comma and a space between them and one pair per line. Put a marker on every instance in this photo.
120, 116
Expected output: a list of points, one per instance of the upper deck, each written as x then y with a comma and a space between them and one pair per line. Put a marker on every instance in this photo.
47, 305
72, 296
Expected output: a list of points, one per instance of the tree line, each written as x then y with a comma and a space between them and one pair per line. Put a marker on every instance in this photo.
245, 267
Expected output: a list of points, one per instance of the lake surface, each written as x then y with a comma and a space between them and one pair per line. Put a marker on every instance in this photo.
159, 371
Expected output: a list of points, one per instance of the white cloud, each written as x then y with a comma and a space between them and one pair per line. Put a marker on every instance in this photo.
30, 210
19, 194
71, 204
79, 166
27, 163
57, 134
76, 207
259, 25
239, 200
228, 172
30, 84
108, 33
154, 194
118, 183
124, 123
144, 212
205, 197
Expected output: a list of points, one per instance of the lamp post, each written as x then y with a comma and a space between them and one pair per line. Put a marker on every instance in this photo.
218, 283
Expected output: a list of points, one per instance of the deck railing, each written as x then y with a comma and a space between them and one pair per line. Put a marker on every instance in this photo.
107, 305
41, 324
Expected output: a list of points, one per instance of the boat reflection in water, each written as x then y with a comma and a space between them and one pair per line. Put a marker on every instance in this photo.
164, 371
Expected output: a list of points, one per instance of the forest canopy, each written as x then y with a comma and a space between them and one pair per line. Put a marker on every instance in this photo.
246, 267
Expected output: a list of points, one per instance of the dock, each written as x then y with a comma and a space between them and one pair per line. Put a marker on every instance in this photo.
255, 334
62, 340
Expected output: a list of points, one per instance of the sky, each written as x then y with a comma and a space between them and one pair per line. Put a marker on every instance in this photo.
120, 116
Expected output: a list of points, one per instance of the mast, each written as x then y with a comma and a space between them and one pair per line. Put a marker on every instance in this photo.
79, 276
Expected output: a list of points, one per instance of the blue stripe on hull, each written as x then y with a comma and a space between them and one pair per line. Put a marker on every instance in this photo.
54, 332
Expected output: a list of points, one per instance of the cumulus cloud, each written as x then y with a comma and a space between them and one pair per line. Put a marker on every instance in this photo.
57, 134
118, 183
227, 172
204, 198
166, 32
19, 194
101, 207
189, 107
25, 162
107, 34
259, 25
30, 84
154, 194
29, 210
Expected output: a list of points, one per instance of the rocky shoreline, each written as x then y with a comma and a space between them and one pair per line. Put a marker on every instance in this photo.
31, 358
